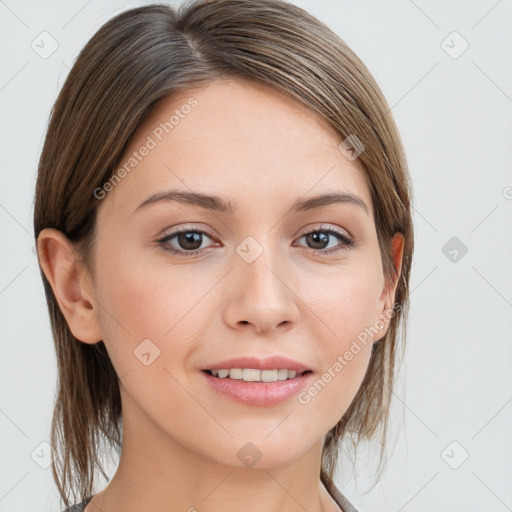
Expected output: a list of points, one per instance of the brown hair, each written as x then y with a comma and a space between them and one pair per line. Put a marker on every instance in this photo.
136, 59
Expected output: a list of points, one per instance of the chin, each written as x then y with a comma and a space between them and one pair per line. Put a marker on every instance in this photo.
260, 452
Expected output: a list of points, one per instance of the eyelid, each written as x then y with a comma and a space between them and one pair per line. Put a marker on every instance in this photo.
163, 241
185, 228
320, 227
328, 227
346, 239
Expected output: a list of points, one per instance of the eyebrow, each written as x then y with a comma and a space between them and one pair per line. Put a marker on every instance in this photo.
218, 204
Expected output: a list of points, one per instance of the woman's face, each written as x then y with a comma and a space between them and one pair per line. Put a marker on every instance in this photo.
263, 280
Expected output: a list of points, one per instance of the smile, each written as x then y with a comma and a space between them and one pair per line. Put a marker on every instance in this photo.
255, 375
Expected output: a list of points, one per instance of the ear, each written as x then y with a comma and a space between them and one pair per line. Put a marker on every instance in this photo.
387, 299
71, 283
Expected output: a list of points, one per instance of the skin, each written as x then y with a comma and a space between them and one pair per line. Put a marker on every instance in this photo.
253, 145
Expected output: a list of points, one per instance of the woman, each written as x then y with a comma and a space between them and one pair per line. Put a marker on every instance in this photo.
223, 222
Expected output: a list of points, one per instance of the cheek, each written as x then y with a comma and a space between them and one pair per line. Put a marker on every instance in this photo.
148, 295
139, 302
346, 310
345, 303
142, 300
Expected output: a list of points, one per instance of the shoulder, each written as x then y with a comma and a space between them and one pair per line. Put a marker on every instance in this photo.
79, 507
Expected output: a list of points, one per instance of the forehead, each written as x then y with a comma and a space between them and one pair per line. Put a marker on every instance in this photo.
237, 138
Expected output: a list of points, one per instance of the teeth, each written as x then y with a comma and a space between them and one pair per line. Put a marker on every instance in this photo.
254, 375
251, 375
236, 373
269, 375
282, 374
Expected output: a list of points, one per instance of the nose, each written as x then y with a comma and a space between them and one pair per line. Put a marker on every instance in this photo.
261, 295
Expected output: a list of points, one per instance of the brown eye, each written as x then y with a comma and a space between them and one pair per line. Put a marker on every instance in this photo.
319, 240
188, 242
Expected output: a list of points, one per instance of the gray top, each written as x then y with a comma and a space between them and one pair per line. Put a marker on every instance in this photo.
338, 497
80, 507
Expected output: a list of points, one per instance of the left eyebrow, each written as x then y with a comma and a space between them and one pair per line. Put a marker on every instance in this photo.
216, 203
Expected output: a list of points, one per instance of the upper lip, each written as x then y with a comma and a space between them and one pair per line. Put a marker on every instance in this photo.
269, 363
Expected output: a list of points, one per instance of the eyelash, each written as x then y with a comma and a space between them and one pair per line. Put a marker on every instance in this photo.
347, 242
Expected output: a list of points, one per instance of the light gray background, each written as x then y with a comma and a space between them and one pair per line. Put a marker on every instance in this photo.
454, 115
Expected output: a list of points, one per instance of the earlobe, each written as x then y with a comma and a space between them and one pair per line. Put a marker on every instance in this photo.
71, 284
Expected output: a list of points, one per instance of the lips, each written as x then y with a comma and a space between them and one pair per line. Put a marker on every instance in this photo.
269, 363
251, 374
258, 394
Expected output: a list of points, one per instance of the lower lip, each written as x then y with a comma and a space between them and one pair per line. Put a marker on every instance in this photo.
260, 394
